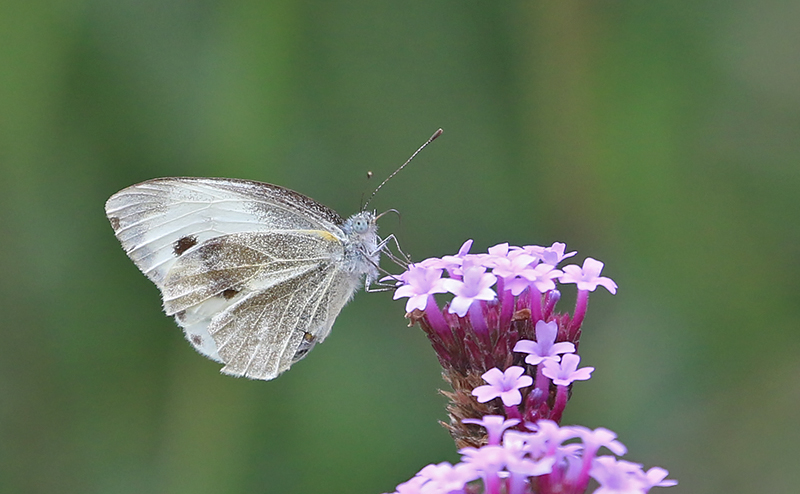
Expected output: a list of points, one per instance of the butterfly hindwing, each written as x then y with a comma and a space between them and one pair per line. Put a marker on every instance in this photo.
260, 297
264, 334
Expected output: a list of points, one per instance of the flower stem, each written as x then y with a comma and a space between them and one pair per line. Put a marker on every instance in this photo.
436, 320
478, 322
580, 312
551, 299
492, 482
536, 305
562, 394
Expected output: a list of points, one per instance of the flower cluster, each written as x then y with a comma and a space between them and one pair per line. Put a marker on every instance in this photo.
503, 307
540, 461
511, 360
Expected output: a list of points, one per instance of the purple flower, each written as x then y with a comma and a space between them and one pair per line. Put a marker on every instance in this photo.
413, 486
544, 348
541, 277
519, 445
565, 372
431, 263
462, 253
655, 478
503, 384
617, 476
596, 439
486, 459
473, 335
453, 263
475, 286
420, 284
588, 277
511, 465
444, 477
495, 425
513, 269
499, 250
549, 436
550, 255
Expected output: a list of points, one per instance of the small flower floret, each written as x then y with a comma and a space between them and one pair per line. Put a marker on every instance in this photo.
655, 477
505, 385
552, 255
444, 477
475, 286
588, 277
495, 425
545, 347
565, 372
598, 438
541, 277
513, 270
420, 284
617, 476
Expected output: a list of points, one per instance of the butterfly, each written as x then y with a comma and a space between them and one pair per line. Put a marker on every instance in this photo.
254, 273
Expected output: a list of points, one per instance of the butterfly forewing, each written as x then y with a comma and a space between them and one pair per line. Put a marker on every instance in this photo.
157, 219
254, 273
245, 262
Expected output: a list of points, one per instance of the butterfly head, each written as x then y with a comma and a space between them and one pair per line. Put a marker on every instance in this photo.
362, 253
361, 225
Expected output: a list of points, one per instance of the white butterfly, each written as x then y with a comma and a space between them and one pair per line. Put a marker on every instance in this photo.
254, 273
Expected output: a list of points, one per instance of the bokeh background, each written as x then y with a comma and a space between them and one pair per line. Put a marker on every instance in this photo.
662, 137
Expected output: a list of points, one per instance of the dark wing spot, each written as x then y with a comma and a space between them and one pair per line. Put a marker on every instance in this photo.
309, 340
229, 293
180, 316
184, 244
114, 222
197, 340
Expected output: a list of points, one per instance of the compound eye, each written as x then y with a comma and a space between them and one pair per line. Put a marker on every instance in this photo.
360, 226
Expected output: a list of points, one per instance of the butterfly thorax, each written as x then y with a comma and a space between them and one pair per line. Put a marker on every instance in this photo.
362, 254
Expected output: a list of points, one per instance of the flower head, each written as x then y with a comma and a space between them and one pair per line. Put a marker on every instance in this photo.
537, 462
504, 303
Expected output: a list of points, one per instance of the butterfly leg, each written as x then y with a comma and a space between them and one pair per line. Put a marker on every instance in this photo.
402, 262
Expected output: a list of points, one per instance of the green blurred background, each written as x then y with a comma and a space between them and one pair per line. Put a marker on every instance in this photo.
660, 137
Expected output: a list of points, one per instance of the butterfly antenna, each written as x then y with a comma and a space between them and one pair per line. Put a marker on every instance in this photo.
369, 176
434, 136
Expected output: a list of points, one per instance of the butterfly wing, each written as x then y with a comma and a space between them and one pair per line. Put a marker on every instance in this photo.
251, 271
257, 302
158, 220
